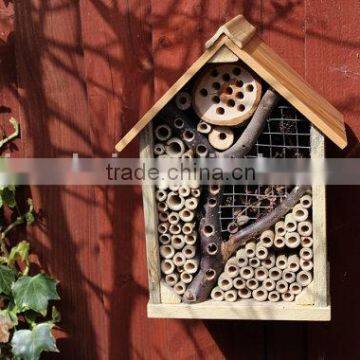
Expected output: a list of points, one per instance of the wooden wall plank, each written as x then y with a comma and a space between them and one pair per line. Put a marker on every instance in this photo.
332, 57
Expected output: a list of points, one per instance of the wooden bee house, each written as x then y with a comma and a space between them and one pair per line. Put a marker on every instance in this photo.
265, 257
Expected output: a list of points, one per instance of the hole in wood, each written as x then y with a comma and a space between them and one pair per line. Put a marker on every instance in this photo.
212, 202
229, 90
208, 230
239, 83
212, 249
216, 99
220, 110
241, 107
210, 274
250, 88
214, 189
236, 71
216, 85
179, 123
214, 73
204, 92
222, 136
240, 95
201, 149
226, 77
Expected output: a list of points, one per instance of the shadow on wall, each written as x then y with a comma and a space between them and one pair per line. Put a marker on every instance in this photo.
86, 71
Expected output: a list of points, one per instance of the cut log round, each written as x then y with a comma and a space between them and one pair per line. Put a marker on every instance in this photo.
226, 95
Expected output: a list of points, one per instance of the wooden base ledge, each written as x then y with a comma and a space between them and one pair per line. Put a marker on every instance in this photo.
263, 311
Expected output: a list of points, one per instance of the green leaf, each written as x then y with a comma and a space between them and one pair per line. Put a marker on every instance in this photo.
7, 278
8, 196
29, 344
29, 215
20, 251
34, 292
55, 315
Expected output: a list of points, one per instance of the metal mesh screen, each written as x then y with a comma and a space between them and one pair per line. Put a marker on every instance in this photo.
286, 135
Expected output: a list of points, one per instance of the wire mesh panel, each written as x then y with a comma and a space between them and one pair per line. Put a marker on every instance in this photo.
286, 135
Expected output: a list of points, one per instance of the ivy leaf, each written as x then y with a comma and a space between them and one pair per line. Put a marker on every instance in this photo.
8, 196
34, 292
6, 324
7, 278
20, 251
55, 315
29, 344
29, 215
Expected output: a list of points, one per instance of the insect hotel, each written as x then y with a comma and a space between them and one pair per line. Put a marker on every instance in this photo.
237, 251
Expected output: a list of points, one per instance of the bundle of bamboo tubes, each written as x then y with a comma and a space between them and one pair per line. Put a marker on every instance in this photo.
276, 266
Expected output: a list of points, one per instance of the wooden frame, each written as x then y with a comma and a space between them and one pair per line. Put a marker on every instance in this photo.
313, 304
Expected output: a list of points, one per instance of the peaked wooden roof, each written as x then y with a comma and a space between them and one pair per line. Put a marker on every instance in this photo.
238, 38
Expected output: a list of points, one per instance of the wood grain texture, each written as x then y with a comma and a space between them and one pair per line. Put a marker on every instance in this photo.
109, 48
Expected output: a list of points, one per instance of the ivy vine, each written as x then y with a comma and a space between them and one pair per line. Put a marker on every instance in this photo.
27, 313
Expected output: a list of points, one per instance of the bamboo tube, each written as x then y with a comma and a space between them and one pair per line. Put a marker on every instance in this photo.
294, 263
175, 229
217, 294
274, 296
241, 257
171, 279
191, 266
179, 259
295, 288
300, 213
231, 295
191, 203
195, 193
161, 195
221, 137
163, 132
261, 273
184, 191
162, 184
188, 135
214, 189
275, 273
232, 227
159, 149
183, 102
225, 282
305, 228
306, 242
167, 266
306, 201
167, 251
201, 150
231, 270
267, 238
203, 127
186, 215
174, 218
260, 294
163, 227
269, 262
306, 253
292, 240
232, 260
290, 223
306, 265
282, 286
174, 187
164, 216
280, 229
190, 239
189, 251
269, 284
261, 252
254, 262
279, 242
282, 262
246, 272
175, 148
288, 276
239, 283
165, 239
186, 277
288, 296
178, 241
244, 293
162, 206
179, 123
304, 278
175, 201
180, 288
252, 284
188, 228
250, 248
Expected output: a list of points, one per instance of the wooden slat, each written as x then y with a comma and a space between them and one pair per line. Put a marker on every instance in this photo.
224, 55
241, 311
267, 64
